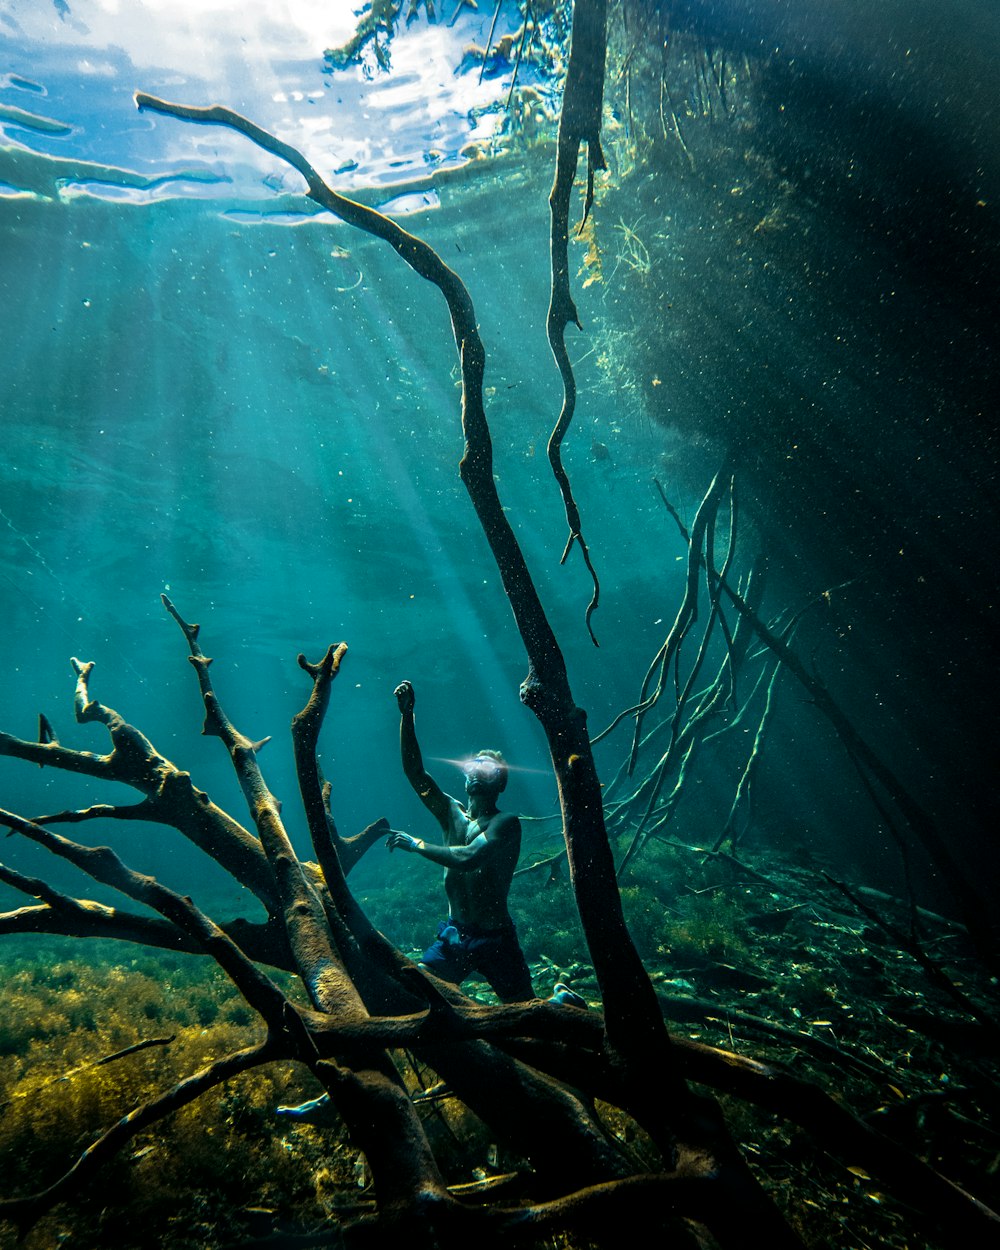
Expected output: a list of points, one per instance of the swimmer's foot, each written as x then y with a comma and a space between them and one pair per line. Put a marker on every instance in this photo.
566, 997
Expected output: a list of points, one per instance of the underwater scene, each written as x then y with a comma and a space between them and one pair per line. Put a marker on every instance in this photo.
498, 556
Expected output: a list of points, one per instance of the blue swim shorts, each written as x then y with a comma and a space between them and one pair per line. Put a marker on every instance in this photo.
495, 954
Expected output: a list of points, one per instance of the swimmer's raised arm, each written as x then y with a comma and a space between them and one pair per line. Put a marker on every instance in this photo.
431, 795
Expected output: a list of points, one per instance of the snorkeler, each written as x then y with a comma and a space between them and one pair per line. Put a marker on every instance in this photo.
479, 855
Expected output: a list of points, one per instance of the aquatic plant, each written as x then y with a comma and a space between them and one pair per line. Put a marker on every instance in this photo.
537, 1074
61, 1090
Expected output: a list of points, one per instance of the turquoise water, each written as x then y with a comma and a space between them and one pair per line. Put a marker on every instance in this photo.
212, 391
258, 409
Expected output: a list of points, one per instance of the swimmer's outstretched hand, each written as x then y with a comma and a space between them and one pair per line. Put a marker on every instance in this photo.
405, 696
402, 842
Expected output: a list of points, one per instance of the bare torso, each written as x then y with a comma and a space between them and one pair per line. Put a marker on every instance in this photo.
477, 894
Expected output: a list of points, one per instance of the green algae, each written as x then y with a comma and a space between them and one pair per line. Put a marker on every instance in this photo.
190, 1180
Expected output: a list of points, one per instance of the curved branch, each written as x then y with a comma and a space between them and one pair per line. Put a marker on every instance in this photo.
385, 978
728, 836
650, 1200
579, 122
145, 809
306, 726
24, 1212
687, 613
477, 464
144, 1044
54, 755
